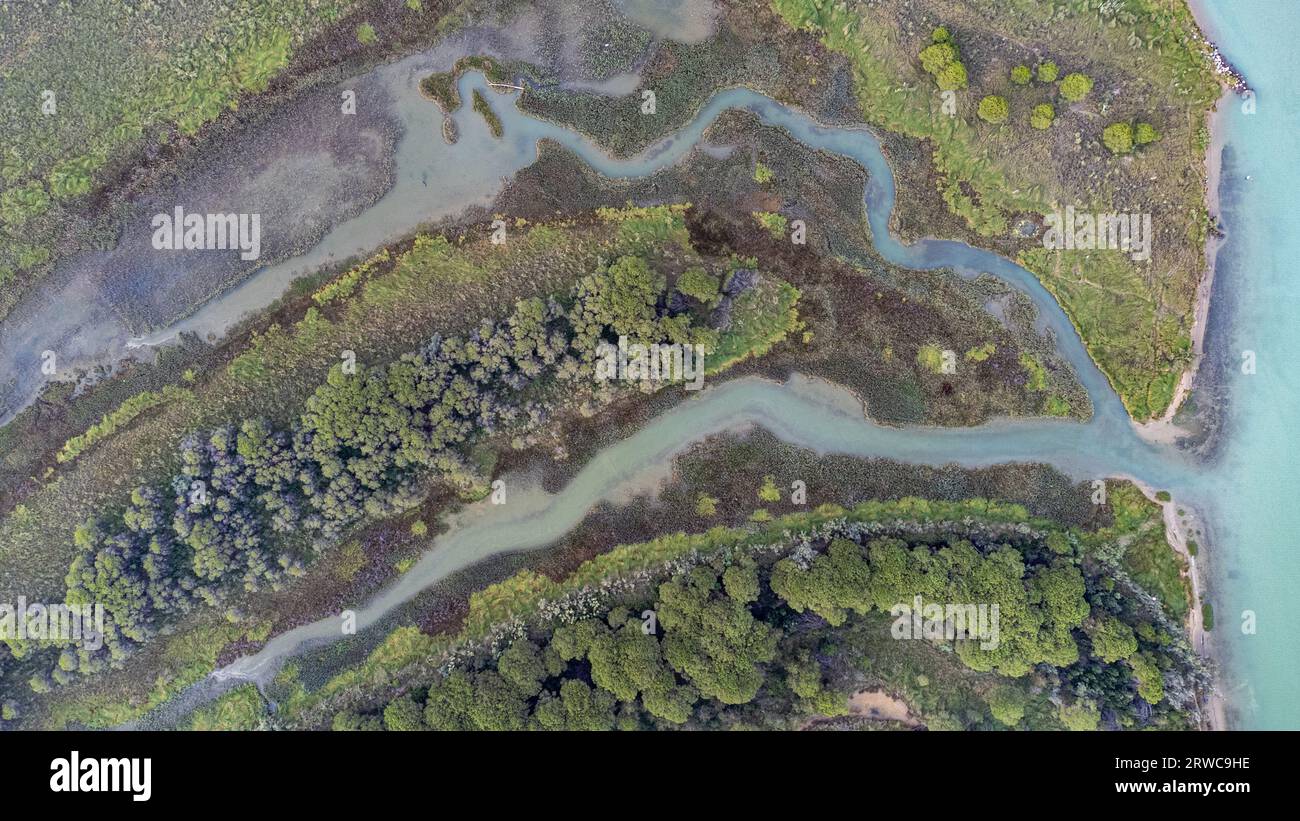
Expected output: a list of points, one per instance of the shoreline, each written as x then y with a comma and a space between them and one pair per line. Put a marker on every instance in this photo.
1234, 79
1164, 430
1215, 710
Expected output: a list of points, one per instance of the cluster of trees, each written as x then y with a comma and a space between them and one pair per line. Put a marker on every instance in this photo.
743, 638
1122, 138
995, 109
700, 642
1039, 606
942, 60
366, 440
629, 300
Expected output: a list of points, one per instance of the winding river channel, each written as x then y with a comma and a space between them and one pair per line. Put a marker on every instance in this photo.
1251, 555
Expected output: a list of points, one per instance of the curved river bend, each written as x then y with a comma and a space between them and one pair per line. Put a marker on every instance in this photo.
435, 179
803, 412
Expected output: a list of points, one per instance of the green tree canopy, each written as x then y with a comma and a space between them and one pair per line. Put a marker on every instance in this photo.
1042, 116
713, 639
994, 109
942, 60
1118, 137
1144, 133
1112, 639
834, 583
403, 714
1075, 87
1007, 703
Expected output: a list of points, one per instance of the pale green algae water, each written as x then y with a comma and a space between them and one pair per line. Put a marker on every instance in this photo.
1254, 509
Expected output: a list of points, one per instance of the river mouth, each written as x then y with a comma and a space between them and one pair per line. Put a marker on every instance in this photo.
805, 412
431, 180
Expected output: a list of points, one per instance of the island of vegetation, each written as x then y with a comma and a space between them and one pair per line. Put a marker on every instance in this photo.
779, 625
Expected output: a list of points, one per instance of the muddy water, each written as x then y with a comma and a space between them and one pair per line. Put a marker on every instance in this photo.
310, 171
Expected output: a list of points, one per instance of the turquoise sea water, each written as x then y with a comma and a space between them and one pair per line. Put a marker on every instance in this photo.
1255, 514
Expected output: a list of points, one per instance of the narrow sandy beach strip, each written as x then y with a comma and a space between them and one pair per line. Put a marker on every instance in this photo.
1177, 530
1163, 430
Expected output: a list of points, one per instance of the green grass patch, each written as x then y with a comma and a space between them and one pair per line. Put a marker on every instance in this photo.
489, 116
240, 709
82, 86
773, 223
1147, 555
122, 416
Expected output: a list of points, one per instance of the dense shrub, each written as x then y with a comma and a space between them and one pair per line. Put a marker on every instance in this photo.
1118, 137
1144, 133
942, 60
1042, 116
1075, 87
994, 109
